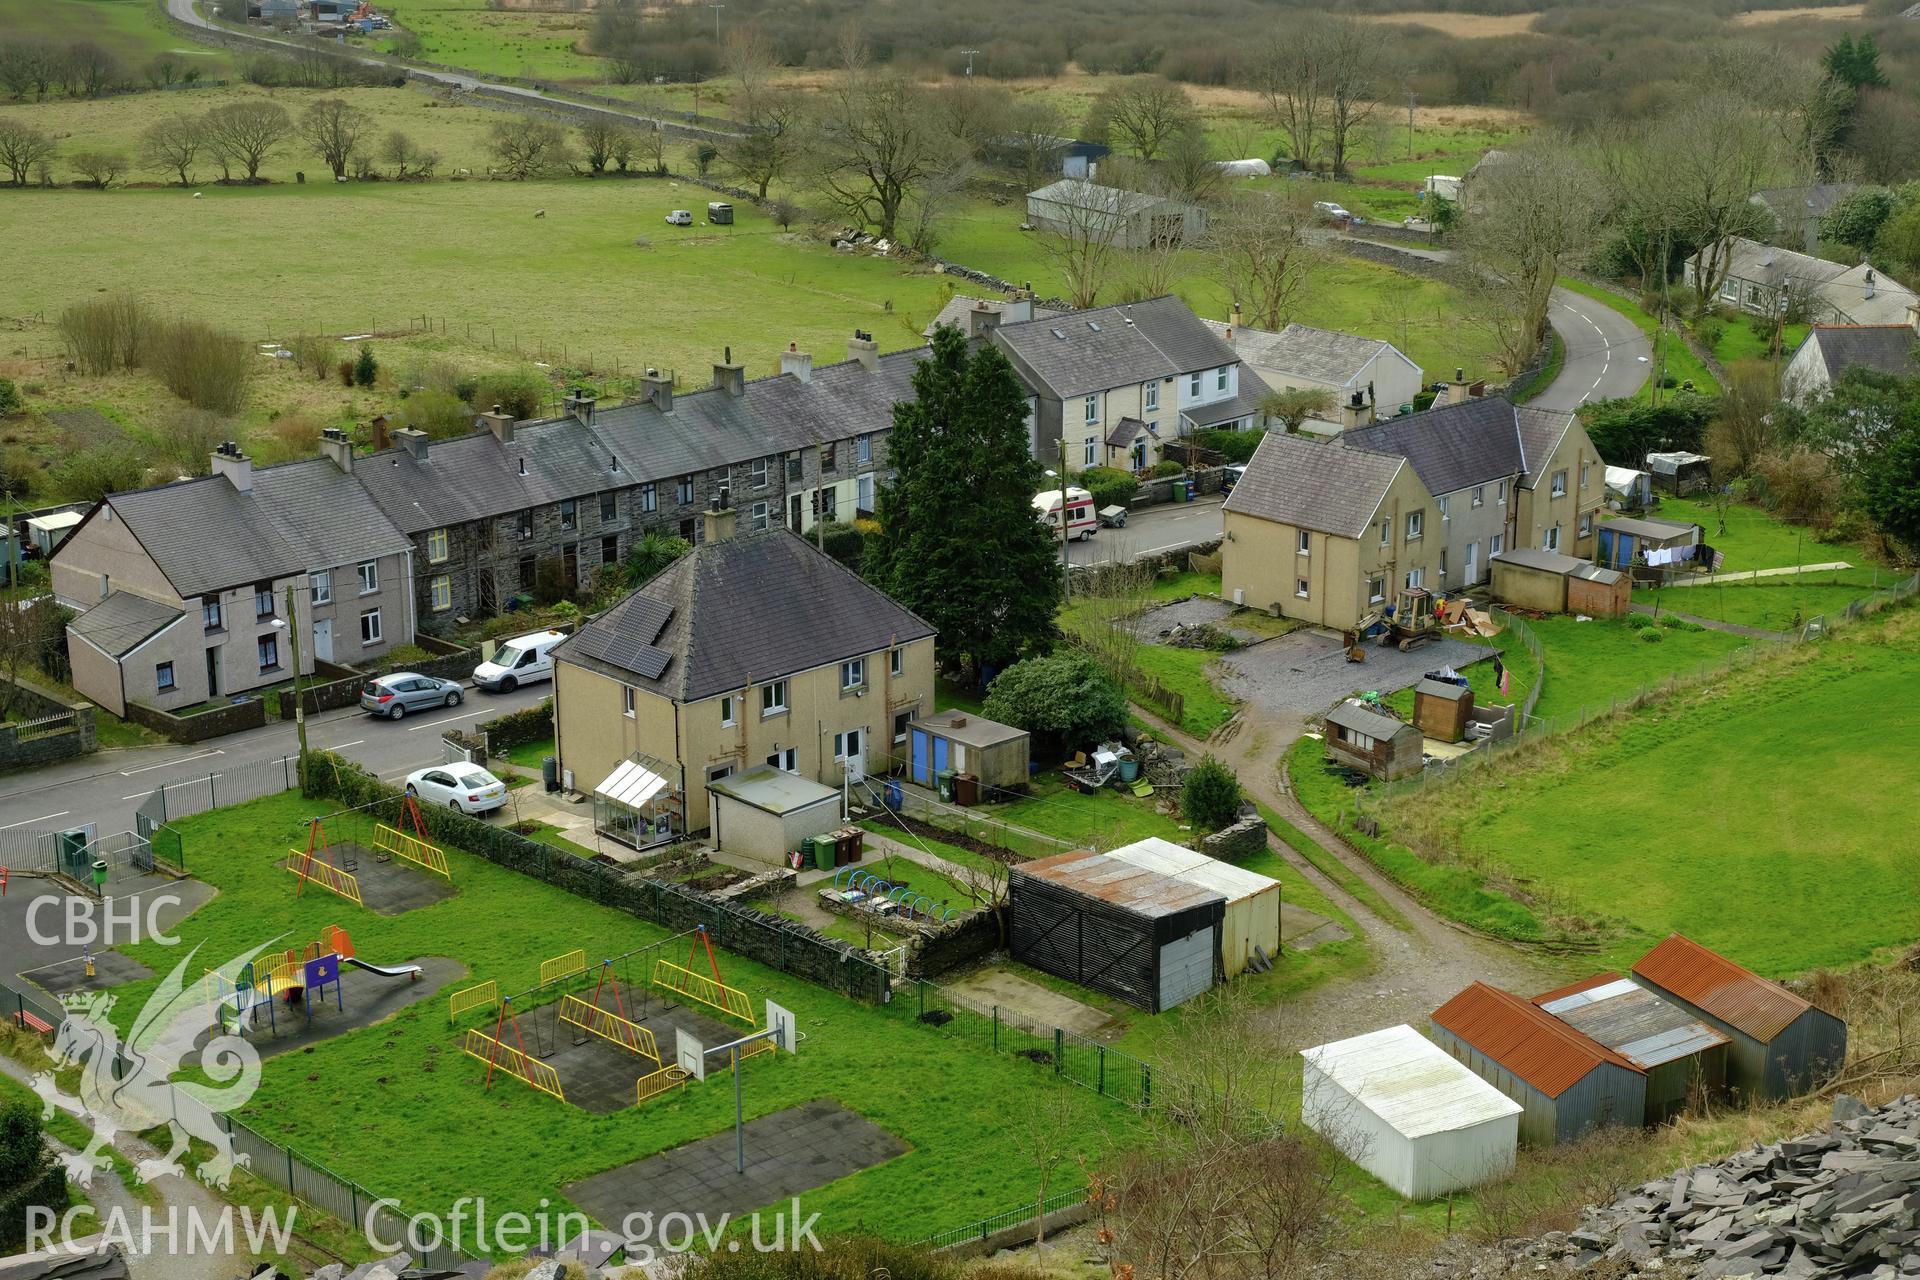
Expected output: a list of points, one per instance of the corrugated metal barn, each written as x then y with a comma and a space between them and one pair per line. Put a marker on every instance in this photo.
1676, 1050
1566, 1084
1142, 937
1252, 917
1780, 1044
1404, 1111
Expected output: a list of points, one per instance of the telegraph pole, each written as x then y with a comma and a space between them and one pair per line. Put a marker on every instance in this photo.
1412, 98
716, 20
1066, 577
969, 53
299, 711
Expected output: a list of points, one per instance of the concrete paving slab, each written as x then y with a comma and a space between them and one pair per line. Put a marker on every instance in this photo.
1303, 930
788, 1153
1025, 1003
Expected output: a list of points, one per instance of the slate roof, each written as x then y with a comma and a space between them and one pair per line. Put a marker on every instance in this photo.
325, 515
746, 609
1475, 441
1526, 1040
1321, 355
123, 622
1331, 486
1086, 351
1790, 205
1771, 267
1866, 296
1541, 431
960, 304
205, 535
1245, 402
1709, 981
1081, 194
1883, 348
1125, 432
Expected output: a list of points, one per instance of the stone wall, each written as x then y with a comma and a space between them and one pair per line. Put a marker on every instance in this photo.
217, 722
22, 746
1244, 839
956, 944
1388, 256
335, 687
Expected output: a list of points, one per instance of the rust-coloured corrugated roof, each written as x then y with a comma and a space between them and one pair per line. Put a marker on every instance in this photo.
1134, 888
1533, 1044
1708, 980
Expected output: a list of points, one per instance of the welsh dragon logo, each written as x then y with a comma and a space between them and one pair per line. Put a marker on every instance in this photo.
124, 1084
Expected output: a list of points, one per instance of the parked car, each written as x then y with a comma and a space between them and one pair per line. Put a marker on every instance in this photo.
521, 660
396, 694
465, 788
680, 218
1230, 476
1328, 209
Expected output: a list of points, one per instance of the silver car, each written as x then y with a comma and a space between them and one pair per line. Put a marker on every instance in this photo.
394, 695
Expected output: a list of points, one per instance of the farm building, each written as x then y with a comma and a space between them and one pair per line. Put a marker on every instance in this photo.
763, 812
1407, 1113
1375, 743
1780, 1044
1622, 541
1565, 1082
1127, 219
1681, 473
995, 754
1629, 490
1553, 583
1676, 1051
1134, 934
1252, 918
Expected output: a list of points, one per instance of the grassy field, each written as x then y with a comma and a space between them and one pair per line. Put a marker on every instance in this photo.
1590, 664
938, 1089
1755, 539
1774, 604
532, 44
1681, 364
1760, 811
132, 30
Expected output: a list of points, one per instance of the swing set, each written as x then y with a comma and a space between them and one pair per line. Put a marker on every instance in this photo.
682, 981
316, 865
410, 840
511, 1059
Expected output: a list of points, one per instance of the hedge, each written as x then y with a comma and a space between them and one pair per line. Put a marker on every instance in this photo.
518, 728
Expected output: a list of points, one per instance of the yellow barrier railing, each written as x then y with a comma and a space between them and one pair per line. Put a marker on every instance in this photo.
758, 1046
412, 848
530, 1070
561, 967
325, 874
701, 989
486, 995
630, 1036
662, 1081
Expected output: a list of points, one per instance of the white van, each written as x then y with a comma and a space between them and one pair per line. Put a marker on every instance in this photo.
1081, 519
521, 660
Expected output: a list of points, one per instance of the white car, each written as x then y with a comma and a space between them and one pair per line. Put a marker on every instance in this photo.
1328, 208
680, 218
464, 788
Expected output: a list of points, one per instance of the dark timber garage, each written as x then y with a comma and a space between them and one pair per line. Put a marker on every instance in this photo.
1142, 937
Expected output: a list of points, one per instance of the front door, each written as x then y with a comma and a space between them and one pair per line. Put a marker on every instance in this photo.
323, 640
213, 673
1473, 563
918, 770
939, 760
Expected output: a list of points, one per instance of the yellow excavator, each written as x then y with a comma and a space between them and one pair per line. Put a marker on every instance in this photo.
1410, 622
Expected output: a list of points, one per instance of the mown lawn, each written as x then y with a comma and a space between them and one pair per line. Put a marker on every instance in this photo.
1590, 664
1755, 539
400, 1106
132, 30
1759, 815
1184, 671
1105, 819
1773, 604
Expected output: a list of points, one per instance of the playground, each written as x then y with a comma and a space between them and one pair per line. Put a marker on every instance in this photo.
389, 866
35, 940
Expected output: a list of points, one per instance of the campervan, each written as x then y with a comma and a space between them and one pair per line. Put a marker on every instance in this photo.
1081, 520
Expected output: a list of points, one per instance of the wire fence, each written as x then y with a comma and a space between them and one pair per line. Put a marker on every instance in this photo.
1006, 1220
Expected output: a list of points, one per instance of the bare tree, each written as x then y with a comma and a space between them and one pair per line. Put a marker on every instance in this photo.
750, 58
974, 114
333, 128
29, 66
525, 146
1287, 74
1537, 212
89, 70
1349, 53
171, 144
163, 70
1263, 256
1035, 141
1743, 429
30, 632
1142, 115
881, 140
930, 206
243, 134
1292, 406
1048, 1131
1719, 154
1885, 135
771, 144
101, 168
408, 159
600, 137
1187, 171
1806, 109
22, 148
1078, 232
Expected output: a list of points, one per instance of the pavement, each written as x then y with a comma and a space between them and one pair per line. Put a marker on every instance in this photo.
1722, 579
1166, 526
106, 787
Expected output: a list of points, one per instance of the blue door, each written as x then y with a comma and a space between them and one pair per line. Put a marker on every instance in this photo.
918, 768
939, 760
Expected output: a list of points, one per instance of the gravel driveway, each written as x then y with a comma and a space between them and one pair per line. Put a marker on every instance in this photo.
1307, 672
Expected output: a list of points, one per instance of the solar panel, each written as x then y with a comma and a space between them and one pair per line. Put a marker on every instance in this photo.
650, 662
646, 617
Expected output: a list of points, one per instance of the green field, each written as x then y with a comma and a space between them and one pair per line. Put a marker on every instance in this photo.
1774, 604
534, 45
1759, 815
132, 30
1590, 665
393, 1106
1754, 539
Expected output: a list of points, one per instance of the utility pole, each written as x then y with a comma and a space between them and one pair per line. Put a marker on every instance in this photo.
969, 53
12, 559
299, 711
1066, 577
716, 20
1412, 98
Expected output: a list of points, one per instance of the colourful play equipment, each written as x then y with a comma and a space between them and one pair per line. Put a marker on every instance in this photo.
682, 981
316, 866
295, 978
486, 995
513, 1060
410, 841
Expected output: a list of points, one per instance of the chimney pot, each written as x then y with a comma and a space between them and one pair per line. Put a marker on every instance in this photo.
1459, 374
414, 441
658, 388
335, 446
720, 520
730, 377
864, 349
236, 466
499, 423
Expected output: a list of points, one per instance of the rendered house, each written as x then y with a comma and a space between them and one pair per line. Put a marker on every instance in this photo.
1766, 280
1831, 349
1342, 364
183, 588
1127, 219
754, 648
1115, 383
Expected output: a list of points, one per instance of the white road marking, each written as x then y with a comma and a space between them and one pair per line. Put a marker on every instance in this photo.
146, 768
342, 746
443, 720
45, 817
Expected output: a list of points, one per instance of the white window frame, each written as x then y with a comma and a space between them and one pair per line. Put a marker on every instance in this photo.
1092, 445
1558, 485
1301, 589
1416, 525
1585, 467
853, 674
629, 702
1220, 378
1193, 386
371, 630
1552, 541
1496, 543
863, 448
368, 572
897, 662
1586, 524
758, 473
1302, 543
1091, 408
1442, 503
1386, 533
787, 761
1150, 397
320, 586
757, 517
902, 719
1416, 578
1501, 494
846, 744
1479, 495
773, 698
1376, 590
726, 712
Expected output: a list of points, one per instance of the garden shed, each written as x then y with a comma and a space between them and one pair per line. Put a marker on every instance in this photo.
1599, 593
1251, 921
1441, 709
1552, 583
1565, 1082
1623, 540
764, 812
996, 754
1134, 934
1404, 1111
1676, 1051
1362, 738
1681, 473
1628, 489
1779, 1044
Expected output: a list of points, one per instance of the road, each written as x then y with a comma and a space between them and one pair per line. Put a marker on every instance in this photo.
1168, 526
106, 787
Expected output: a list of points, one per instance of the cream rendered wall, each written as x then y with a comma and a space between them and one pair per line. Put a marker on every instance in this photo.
1540, 510
101, 556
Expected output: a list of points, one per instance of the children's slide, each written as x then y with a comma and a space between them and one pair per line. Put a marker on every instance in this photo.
412, 971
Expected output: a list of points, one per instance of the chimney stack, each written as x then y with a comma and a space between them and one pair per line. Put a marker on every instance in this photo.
1233, 316
579, 402
414, 441
335, 445
236, 466
658, 388
720, 517
730, 377
797, 362
864, 349
1355, 412
378, 429
983, 319
500, 423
